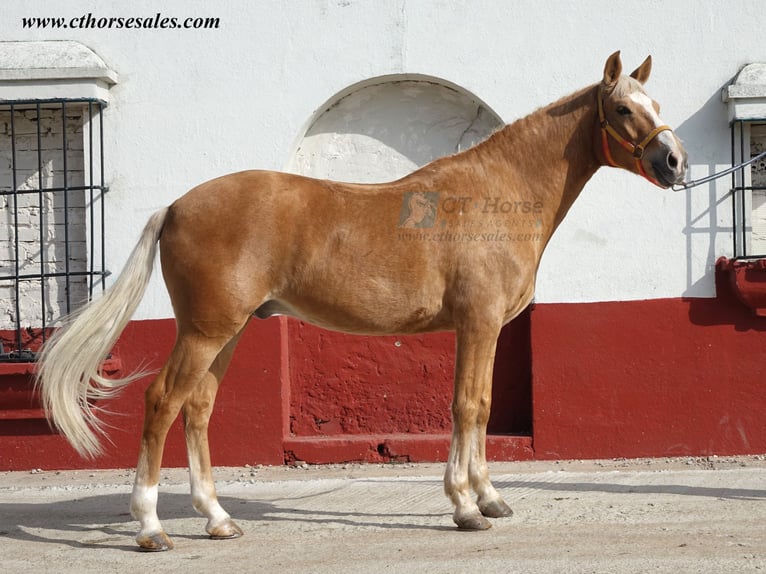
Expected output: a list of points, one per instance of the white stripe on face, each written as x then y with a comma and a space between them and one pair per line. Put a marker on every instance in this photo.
645, 102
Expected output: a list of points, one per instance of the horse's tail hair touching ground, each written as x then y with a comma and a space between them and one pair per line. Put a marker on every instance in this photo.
69, 375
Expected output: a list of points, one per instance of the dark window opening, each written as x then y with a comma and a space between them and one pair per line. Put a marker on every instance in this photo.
52, 217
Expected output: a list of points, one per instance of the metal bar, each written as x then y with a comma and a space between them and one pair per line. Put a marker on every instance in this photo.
67, 282
103, 189
41, 216
92, 253
55, 189
32, 102
742, 176
29, 276
14, 181
734, 191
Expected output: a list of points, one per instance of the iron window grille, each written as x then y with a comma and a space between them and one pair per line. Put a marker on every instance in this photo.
52, 211
748, 189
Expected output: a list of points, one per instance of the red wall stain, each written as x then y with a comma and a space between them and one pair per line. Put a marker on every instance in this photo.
344, 384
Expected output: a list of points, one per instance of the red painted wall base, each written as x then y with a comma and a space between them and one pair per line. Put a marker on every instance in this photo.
246, 426
649, 378
627, 379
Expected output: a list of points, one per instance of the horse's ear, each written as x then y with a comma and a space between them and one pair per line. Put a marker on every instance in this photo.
642, 72
612, 70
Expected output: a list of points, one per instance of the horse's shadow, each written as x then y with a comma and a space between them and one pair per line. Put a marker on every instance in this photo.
104, 521
49, 522
726, 493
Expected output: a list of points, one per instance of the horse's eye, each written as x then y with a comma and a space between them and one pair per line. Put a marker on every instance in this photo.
623, 111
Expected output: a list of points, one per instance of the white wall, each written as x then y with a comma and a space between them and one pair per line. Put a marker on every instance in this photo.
191, 105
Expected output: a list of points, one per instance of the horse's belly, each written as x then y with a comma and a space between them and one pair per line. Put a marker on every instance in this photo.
376, 318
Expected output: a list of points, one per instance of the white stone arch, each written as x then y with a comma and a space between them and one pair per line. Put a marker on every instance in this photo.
385, 127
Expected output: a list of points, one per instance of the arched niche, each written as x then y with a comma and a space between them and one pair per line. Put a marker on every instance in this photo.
386, 127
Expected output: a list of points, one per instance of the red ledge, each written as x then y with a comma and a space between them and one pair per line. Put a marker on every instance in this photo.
111, 366
396, 447
18, 398
748, 281
18, 369
21, 414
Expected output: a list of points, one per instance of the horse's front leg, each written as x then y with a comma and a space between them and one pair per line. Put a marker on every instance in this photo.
467, 465
490, 502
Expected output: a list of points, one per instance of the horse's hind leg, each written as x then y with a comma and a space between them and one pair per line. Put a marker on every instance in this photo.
197, 411
184, 372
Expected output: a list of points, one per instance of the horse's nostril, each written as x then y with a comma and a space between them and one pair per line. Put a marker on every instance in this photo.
672, 161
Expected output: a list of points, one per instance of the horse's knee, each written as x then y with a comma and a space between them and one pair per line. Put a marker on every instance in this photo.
465, 412
482, 417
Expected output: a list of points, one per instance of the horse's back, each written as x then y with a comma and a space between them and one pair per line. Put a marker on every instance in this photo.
328, 252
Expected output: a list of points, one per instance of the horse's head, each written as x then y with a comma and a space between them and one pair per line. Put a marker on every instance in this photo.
631, 134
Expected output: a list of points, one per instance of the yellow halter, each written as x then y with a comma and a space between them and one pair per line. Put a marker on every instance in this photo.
636, 150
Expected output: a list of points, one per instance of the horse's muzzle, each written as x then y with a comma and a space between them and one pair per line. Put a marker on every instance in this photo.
669, 165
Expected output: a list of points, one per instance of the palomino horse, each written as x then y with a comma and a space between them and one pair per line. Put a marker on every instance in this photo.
453, 246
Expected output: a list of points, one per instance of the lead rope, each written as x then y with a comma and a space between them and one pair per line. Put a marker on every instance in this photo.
696, 182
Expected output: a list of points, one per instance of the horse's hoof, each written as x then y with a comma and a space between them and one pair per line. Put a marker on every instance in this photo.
224, 530
496, 509
156, 542
472, 522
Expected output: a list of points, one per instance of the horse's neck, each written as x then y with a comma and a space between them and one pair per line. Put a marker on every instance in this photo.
549, 155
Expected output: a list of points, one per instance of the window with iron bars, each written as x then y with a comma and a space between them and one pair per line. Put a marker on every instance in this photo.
52, 217
748, 185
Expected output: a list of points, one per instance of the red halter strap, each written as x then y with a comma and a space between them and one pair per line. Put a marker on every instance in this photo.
637, 150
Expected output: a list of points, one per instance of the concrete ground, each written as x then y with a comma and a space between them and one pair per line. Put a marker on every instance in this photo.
619, 516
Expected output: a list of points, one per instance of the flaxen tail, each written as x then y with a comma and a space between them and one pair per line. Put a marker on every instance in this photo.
68, 375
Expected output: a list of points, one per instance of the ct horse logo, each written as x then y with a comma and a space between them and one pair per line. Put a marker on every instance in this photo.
418, 209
